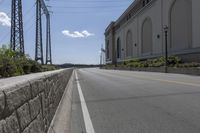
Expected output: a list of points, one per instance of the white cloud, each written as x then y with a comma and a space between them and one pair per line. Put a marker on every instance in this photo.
77, 34
86, 33
4, 19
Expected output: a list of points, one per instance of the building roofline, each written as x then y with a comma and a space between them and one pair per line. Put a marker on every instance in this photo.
127, 11
109, 27
124, 14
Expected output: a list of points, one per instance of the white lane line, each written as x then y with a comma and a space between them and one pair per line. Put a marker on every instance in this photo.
86, 116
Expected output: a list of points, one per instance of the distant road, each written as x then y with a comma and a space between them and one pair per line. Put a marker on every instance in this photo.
135, 102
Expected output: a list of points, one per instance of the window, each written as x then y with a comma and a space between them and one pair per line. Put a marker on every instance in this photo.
118, 48
129, 43
145, 2
128, 17
181, 25
107, 50
147, 41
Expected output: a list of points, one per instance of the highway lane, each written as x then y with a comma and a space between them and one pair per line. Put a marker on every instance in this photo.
136, 102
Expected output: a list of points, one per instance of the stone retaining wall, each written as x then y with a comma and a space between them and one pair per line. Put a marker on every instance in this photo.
28, 103
189, 71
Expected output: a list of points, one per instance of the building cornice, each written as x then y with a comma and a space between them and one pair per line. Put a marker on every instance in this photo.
127, 11
109, 28
125, 14
138, 13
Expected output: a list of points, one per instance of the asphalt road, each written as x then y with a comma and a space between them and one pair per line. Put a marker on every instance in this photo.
136, 102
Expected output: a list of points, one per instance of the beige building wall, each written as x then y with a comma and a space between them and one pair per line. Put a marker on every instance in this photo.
196, 23
181, 16
152, 12
108, 41
120, 35
110, 44
130, 26
195, 19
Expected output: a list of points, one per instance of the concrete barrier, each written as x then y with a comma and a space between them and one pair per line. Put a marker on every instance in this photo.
28, 103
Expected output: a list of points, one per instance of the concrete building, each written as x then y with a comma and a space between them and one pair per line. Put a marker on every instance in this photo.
139, 33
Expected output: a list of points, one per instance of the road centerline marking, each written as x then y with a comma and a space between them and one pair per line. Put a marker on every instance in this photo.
170, 81
163, 80
156, 79
86, 116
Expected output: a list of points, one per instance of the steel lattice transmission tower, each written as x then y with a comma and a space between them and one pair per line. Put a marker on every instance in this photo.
17, 35
48, 41
38, 40
41, 6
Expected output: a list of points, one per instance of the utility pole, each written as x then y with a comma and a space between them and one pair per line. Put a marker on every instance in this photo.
101, 56
17, 35
102, 62
38, 42
166, 47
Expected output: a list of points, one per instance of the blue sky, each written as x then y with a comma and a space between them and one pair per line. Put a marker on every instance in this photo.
77, 27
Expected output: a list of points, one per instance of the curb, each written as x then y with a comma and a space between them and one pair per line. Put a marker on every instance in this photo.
62, 117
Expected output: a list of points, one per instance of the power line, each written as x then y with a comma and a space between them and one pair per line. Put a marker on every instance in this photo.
4, 37
92, 1
6, 34
30, 9
87, 6
31, 26
26, 13
27, 21
89, 12
107, 10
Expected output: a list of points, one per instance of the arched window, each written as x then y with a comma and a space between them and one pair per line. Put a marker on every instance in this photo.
147, 36
129, 44
107, 49
118, 48
181, 24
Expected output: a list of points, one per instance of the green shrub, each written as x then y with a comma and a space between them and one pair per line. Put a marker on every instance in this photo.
35, 66
13, 64
159, 62
7, 67
48, 68
133, 61
173, 60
